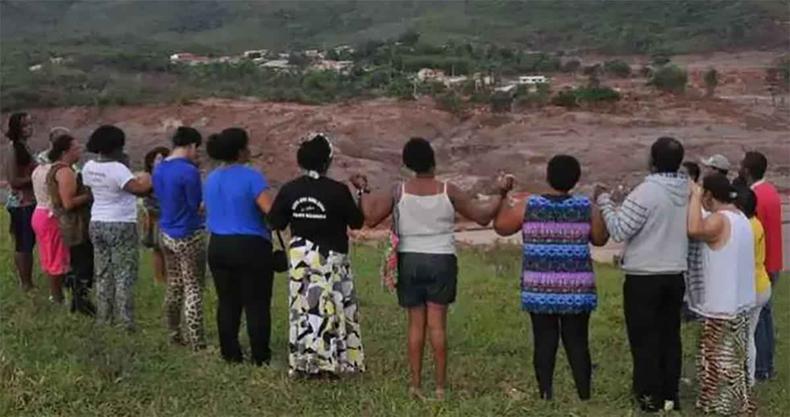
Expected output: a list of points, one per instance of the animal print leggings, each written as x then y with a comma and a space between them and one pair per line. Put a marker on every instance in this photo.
115, 261
722, 368
185, 260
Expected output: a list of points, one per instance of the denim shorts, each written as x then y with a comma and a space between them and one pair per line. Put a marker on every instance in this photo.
426, 277
22, 228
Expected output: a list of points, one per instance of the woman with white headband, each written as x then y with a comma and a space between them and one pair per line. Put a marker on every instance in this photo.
324, 334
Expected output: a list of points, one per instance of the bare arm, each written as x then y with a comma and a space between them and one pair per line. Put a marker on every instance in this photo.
709, 229
479, 211
510, 216
599, 235
264, 202
12, 173
140, 185
67, 190
376, 207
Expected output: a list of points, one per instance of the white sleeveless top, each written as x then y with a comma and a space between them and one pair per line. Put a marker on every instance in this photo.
728, 272
39, 180
426, 223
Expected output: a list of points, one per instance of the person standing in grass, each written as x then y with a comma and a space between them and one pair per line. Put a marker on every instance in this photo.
726, 298
557, 281
324, 337
651, 222
769, 212
427, 266
71, 205
151, 236
21, 202
53, 254
747, 204
43, 156
237, 198
113, 226
178, 190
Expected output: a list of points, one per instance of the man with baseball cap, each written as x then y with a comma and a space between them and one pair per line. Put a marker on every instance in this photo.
716, 163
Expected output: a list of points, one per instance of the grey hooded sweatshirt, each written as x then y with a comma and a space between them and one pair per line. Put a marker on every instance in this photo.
652, 223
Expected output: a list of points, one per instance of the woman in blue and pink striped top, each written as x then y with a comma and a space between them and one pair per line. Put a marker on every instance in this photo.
557, 281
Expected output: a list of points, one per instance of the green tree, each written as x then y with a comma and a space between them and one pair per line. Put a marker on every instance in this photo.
711, 79
409, 37
617, 67
669, 78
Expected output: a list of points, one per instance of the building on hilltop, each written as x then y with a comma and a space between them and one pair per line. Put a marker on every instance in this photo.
187, 58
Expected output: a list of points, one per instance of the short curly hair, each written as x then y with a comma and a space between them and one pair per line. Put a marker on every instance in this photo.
315, 153
106, 140
418, 155
563, 172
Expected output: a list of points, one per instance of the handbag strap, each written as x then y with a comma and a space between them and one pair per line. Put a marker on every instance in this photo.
280, 239
397, 192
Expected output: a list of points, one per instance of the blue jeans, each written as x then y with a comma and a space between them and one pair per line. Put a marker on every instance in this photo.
764, 339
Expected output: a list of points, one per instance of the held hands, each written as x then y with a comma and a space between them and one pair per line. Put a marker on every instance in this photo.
695, 191
359, 181
598, 190
144, 178
505, 183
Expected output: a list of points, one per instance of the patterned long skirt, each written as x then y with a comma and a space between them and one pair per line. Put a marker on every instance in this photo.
324, 333
722, 367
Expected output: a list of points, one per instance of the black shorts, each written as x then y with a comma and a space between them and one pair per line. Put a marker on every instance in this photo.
21, 228
424, 277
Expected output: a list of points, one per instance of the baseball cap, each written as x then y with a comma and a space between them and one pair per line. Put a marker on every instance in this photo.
717, 161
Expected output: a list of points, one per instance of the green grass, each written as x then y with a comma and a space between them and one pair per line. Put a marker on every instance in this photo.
56, 364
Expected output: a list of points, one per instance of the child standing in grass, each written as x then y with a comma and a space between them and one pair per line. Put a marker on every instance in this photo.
557, 282
150, 216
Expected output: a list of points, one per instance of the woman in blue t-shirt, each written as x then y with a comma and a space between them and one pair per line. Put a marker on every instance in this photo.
240, 250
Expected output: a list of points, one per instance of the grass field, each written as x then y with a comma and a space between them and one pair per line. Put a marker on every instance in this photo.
56, 364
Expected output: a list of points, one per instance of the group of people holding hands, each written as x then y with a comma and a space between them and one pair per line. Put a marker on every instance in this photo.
712, 243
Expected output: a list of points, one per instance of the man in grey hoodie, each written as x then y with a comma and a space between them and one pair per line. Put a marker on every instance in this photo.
652, 223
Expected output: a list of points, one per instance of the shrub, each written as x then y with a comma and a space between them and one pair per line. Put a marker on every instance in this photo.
571, 66
660, 58
565, 98
617, 67
501, 102
450, 102
401, 88
572, 98
669, 78
596, 94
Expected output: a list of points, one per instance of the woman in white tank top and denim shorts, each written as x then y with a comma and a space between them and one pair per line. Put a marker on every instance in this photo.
427, 267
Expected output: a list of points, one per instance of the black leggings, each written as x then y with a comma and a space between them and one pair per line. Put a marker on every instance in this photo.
242, 270
546, 332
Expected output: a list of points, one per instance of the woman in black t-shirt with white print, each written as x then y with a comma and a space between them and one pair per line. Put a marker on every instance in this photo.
324, 336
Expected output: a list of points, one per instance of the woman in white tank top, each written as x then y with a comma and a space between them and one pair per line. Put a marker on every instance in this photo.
725, 298
424, 210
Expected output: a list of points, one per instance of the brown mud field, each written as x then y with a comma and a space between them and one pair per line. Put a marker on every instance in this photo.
611, 141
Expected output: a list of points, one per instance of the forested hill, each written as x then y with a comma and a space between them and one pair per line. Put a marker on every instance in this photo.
607, 26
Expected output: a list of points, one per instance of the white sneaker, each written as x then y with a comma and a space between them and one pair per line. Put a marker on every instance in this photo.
669, 405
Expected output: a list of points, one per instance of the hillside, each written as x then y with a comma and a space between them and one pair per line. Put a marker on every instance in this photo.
603, 25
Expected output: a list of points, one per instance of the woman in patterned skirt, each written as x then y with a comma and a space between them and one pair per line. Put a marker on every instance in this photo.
113, 226
558, 282
324, 332
725, 297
